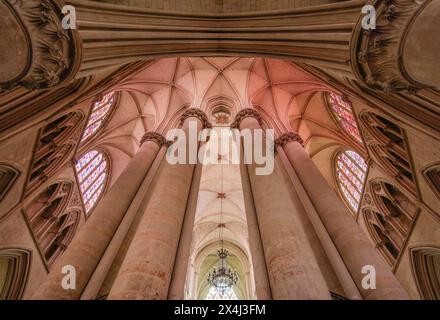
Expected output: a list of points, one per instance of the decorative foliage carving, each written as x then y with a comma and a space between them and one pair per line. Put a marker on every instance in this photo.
247, 112
196, 113
287, 137
155, 137
54, 51
376, 53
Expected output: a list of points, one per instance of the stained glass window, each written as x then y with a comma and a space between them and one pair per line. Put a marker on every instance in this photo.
91, 170
351, 170
99, 114
343, 112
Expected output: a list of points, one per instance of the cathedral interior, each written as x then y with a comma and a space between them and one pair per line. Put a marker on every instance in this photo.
351, 210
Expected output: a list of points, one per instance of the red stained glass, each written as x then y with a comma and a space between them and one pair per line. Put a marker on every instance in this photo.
100, 112
343, 112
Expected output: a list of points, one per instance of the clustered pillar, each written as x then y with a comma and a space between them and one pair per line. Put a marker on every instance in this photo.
351, 242
292, 268
146, 271
88, 246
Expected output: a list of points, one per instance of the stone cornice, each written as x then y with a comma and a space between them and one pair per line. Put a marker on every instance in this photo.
196, 113
54, 54
245, 113
287, 137
376, 54
155, 137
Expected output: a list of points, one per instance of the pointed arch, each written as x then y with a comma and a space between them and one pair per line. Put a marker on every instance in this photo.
389, 218
432, 176
342, 111
100, 113
8, 176
56, 143
350, 174
52, 226
14, 270
92, 172
389, 147
425, 265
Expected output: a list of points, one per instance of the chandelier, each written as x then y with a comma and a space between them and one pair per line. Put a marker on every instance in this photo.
222, 277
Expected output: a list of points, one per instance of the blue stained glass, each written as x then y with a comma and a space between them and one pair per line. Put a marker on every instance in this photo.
92, 177
91, 170
85, 159
94, 187
89, 205
351, 171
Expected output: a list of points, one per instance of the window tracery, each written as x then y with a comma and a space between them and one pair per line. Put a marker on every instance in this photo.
100, 113
388, 146
351, 170
52, 225
343, 112
91, 170
55, 144
389, 218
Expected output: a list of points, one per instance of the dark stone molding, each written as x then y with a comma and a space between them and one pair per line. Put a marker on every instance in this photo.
196, 113
287, 137
155, 137
245, 113
376, 55
53, 53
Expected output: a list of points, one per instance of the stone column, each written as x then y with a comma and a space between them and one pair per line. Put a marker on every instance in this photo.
351, 242
178, 280
106, 263
262, 285
89, 244
146, 271
292, 268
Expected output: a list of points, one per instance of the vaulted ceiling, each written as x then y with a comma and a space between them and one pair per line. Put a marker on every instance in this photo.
288, 98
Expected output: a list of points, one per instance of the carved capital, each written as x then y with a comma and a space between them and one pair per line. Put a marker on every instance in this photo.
196, 113
40, 53
288, 137
248, 112
155, 137
376, 54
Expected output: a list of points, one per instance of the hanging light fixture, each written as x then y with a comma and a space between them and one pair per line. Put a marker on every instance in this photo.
222, 277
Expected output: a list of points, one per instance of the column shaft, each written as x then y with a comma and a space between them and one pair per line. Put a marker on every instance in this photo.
178, 279
292, 268
100, 274
262, 285
89, 244
146, 271
353, 245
